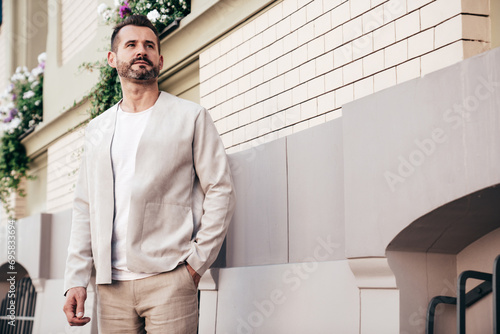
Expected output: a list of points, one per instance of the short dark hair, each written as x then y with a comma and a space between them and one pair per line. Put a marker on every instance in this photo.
134, 20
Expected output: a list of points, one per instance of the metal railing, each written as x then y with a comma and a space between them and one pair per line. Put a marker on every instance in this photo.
491, 283
21, 320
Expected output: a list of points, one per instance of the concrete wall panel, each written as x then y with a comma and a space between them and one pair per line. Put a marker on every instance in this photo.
316, 193
379, 311
302, 298
61, 230
49, 317
258, 232
32, 244
417, 146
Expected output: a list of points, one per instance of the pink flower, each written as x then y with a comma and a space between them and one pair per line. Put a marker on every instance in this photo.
124, 10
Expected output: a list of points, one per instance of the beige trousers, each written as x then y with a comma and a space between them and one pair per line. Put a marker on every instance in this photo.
166, 303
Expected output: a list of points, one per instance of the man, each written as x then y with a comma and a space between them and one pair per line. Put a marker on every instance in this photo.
153, 199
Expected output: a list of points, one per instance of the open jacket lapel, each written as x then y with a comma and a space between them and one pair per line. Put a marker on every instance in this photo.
105, 169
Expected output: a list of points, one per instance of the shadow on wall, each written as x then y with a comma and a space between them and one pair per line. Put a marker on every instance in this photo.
428, 255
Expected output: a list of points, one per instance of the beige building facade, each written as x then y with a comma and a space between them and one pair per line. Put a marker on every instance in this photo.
364, 141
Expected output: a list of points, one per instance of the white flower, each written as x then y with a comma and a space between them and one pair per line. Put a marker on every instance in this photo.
42, 57
34, 84
31, 78
163, 17
37, 103
25, 108
16, 77
153, 15
31, 123
107, 14
28, 95
118, 3
148, 6
102, 7
9, 127
36, 71
18, 69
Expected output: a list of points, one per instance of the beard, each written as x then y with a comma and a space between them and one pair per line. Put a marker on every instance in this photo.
125, 70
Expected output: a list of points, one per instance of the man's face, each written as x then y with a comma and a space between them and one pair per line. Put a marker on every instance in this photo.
137, 55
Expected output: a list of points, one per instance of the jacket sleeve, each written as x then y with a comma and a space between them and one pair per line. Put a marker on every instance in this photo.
212, 168
79, 260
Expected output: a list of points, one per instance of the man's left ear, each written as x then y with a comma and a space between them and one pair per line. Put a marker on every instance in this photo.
111, 59
161, 62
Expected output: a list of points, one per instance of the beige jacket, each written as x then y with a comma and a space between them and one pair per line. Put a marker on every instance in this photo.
182, 195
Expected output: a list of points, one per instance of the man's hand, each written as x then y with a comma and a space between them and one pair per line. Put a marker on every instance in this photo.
74, 306
196, 277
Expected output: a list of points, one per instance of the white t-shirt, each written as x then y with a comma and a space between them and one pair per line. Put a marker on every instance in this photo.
128, 132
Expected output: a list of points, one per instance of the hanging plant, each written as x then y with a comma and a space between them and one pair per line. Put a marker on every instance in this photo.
21, 109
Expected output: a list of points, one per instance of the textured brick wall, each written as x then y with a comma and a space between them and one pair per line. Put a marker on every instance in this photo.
296, 64
63, 161
4, 72
79, 25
